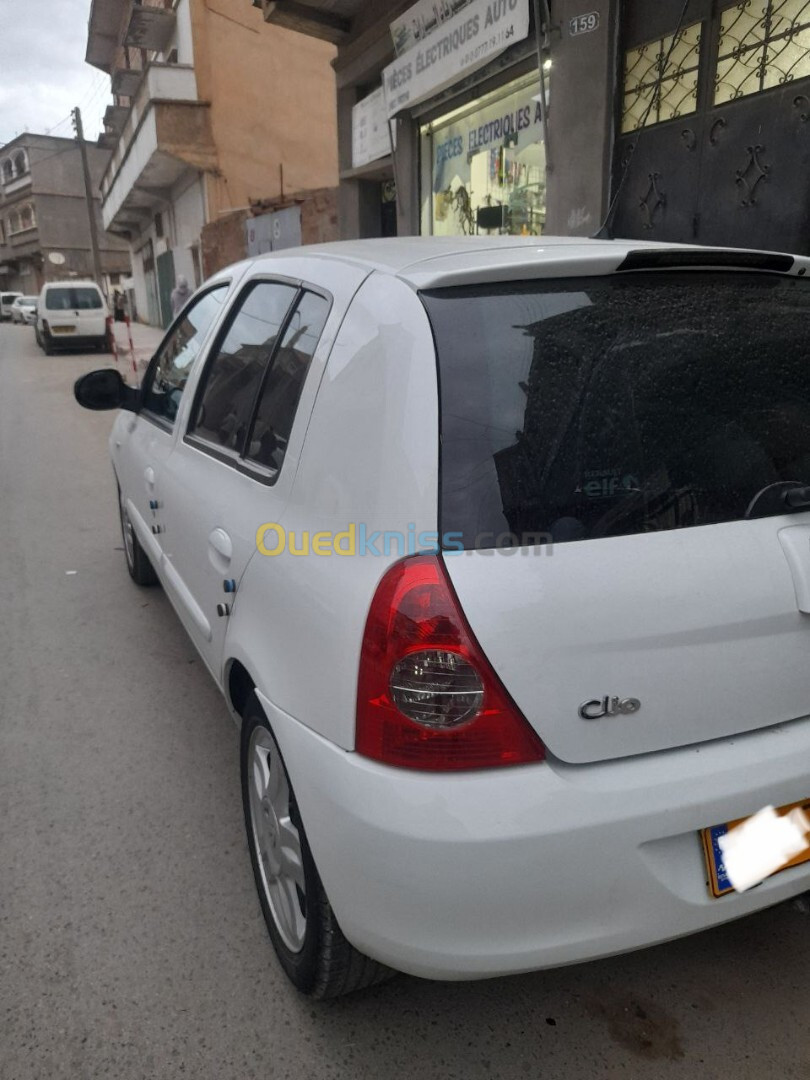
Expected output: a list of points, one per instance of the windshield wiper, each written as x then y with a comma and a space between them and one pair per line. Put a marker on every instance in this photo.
784, 497
797, 498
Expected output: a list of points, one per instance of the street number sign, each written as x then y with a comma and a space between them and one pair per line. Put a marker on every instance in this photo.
583, 24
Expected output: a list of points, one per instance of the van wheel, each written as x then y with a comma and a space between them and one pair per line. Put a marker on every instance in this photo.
140, 569
310, 945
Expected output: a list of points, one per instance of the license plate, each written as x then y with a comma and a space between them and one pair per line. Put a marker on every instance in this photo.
63, 329
719, 884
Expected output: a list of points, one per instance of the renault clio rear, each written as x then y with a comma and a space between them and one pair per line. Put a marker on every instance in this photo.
532, 631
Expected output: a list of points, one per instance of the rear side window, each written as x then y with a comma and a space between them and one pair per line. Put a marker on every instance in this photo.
73, 298
284, 381
233, 376
596, 407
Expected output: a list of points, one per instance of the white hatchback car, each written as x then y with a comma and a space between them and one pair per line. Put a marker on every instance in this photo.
499, 551
24, 310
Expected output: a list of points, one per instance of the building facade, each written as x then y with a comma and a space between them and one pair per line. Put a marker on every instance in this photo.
678, 120
44, 227
214, 110
457, 116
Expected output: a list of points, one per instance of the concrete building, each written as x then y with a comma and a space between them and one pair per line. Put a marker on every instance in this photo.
678, 120
214, 110
44, 228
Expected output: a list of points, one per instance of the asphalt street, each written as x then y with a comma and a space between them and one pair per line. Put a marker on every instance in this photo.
131, 941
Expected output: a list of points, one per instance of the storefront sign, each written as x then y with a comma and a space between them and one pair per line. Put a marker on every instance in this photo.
370, 139
422, 19
479, 32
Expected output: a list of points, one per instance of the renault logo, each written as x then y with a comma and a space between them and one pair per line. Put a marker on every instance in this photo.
597, 708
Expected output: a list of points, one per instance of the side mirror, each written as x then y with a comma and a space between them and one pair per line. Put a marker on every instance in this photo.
105, 389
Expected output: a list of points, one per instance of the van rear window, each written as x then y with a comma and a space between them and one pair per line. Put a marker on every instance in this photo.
73, 298
597, 407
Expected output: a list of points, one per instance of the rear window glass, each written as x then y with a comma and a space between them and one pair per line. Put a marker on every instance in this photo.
72, 298
597, 407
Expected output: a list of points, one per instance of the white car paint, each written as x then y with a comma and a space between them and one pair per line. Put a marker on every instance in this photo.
6, 303
23, 310
596, 849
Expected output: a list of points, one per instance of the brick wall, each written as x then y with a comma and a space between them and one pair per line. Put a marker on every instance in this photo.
319, 216
223, 241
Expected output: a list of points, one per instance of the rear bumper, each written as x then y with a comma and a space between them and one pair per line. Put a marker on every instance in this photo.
505, 871
74, 341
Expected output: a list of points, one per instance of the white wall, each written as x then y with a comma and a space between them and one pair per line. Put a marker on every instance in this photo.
188, 208
188, 218
181, 38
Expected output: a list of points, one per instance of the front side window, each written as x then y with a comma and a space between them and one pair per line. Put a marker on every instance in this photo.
73, 298
598, 407
234, 374
166, 379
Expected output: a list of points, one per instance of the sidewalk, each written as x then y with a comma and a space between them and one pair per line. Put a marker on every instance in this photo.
145, 340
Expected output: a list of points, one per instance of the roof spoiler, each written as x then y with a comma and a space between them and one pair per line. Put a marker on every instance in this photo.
692, 258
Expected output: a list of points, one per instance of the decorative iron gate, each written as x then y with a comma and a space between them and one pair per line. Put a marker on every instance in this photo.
715, 123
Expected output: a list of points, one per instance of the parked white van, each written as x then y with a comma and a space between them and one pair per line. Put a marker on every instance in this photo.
72, 313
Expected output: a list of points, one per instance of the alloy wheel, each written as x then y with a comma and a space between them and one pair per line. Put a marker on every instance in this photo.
276, 838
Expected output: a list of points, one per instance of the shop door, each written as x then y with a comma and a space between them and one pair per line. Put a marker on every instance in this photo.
150, 283
165, 276
715, 139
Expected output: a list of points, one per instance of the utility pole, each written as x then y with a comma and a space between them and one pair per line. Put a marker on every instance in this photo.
88, 193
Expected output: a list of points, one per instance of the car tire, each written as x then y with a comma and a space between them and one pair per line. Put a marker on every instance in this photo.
140, 568
310, 945
46, 344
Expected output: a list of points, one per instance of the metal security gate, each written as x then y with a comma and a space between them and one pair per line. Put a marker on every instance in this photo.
715, 123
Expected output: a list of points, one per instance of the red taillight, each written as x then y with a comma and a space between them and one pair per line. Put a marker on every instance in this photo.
427, 697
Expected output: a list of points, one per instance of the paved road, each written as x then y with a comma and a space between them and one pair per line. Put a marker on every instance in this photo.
131, 943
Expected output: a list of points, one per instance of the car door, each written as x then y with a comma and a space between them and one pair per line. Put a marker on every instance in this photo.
232, 471
141, 443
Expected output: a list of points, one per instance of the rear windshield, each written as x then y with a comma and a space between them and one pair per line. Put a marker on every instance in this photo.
8, 297
596, 407
72, 298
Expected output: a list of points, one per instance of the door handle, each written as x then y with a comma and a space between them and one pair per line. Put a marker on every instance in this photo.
149, 476
221, 543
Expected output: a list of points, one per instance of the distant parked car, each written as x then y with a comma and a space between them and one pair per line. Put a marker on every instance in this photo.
72, 313
6, 301
24, 310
